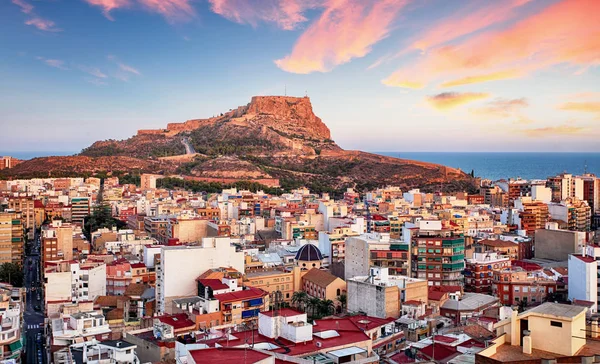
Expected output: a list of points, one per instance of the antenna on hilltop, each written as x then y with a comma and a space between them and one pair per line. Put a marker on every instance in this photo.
285, 90
305, 93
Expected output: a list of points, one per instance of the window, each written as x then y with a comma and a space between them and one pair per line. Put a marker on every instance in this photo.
556, 323
338, 292
505, 288
516, 289
524, 289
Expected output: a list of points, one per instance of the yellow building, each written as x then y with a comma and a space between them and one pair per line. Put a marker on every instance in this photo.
271, 280
323, 285
11, 237
548, 331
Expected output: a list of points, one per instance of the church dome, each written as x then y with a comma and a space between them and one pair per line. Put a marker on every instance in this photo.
309, 253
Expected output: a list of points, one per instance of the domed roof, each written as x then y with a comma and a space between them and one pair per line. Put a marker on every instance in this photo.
308, 253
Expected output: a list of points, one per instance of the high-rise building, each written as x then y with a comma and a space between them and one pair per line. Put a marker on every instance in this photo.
534, 215
57, 241
11, 237
80, 209
439, 258
576, 213
27, 207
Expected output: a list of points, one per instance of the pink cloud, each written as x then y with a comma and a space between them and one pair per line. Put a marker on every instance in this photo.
128, 68
56, 63
287, 14
26, 7
171, 9
563, 33
466, 22
347, 29
43, 24
109, 5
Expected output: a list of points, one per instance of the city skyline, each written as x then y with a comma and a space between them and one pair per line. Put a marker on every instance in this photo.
516, 75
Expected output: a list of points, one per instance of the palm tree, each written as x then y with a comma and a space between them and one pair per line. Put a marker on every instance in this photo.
343, 299
299, 299
314, 303
326, 307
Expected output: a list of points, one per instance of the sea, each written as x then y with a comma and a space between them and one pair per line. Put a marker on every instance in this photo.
494, 166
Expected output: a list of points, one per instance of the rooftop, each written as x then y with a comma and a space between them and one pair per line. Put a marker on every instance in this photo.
557, 309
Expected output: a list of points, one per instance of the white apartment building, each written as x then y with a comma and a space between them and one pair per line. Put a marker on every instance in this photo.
69, 282
180, 266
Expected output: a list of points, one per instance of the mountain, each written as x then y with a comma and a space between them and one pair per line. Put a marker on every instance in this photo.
271, 138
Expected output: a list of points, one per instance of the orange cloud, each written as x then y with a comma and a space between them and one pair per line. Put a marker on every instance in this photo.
561, 130
587, 106
467, 21
495, 76
286, 14
109, 5
450, 100
566, 32
345, 30
501, 108
171, 9
43, 24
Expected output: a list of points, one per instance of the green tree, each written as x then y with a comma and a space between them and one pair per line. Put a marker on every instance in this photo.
314, 304
343, 299
299, 300
11, 273
101, 218
326, 307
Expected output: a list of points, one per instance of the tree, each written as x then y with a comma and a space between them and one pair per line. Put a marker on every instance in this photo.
314, 303
101, 218
326, 307
343, 299
11, 273
299, 299
472, 173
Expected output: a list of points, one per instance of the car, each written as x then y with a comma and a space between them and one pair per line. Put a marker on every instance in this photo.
37, 308
38, 337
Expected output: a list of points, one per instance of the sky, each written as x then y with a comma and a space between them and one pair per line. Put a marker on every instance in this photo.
384, 75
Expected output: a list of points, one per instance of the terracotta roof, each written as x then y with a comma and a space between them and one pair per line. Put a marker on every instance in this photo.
138, 265
364, 322
441, 352
319, 277
412, 302
115, 314
135, 289
106, 301
498, 243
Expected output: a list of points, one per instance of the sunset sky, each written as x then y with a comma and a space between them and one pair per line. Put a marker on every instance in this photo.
385, 75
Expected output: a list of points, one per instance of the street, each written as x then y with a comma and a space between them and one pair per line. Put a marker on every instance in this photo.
33, 316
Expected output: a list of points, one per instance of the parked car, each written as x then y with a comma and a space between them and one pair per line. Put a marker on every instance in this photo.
37, 308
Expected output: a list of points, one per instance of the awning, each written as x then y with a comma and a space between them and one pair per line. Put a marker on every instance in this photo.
347, 351
17, 345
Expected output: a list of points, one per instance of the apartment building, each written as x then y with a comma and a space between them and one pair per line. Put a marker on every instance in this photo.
515, 285
26, 206
71, 282
533, 215
242, 306
576, 213
479, 271
438, 257
179, 266
11, 237
12, 308
57, 241
333, 243
271, 280
380, 295
80, 209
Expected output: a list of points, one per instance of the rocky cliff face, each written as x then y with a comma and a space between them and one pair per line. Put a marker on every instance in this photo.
271, 137
297, 112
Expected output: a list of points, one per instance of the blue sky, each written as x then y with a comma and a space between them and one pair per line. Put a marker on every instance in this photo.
390, 75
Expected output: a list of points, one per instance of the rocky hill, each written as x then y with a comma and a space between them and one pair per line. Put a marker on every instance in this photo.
271, 137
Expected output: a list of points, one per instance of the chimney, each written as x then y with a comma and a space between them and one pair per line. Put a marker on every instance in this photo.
527, 344
514, 329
